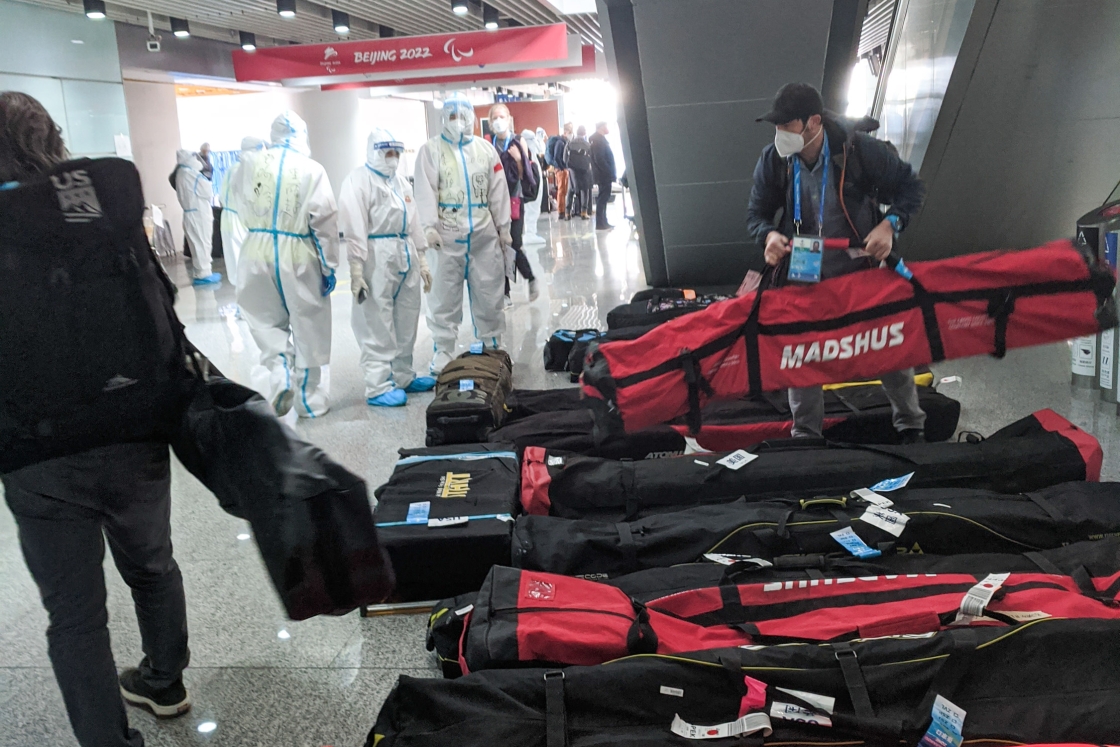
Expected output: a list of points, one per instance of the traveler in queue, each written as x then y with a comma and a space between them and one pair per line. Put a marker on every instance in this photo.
578, 156
385, 247
560, 164
194, 190
815, 149
517, 162
463, 203
287, 267
68, 507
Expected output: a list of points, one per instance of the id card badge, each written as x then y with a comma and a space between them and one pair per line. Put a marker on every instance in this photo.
805, 259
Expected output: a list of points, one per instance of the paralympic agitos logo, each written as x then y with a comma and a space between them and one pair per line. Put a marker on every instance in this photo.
842, 348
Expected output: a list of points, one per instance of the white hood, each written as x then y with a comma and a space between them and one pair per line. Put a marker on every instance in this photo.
290, 131
380, 141
251, 143
460, 106
189, 159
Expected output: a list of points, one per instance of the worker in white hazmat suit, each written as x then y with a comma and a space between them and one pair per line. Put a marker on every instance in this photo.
233, 230
464, 208
385, 246
532, 208
195, 192
286, 271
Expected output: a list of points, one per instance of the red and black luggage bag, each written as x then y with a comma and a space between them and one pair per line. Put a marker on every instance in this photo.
1040, 450
1083, 561
532, 618
1049, 680
852, 327
944, 521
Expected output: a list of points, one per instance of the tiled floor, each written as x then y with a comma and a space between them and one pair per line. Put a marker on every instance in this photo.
264, 680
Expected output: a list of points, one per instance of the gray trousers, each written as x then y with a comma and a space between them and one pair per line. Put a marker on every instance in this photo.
807, 405
65, 510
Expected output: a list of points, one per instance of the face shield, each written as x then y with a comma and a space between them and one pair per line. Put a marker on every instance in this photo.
383, 152
458, 119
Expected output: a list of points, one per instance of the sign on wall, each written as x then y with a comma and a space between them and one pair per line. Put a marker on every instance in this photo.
473, 49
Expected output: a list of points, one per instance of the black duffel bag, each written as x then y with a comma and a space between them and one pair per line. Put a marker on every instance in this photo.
947, 521
579, 349
1035, 452
310, 516
559, 346
1046, 681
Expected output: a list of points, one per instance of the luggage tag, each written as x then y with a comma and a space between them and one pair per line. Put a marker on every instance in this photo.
947, 727
805, 259
450, 521
889, 521
737, 459
895, 483
854, 544
418, 512
466, 385
976, 600
823, 706
476, 348
872, 497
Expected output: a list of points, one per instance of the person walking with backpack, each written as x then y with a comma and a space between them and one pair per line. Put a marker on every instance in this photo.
523, 186
578, 156
66, 508
560, 163
815, 150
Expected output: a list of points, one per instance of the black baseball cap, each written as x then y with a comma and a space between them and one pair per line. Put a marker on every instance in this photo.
794, 101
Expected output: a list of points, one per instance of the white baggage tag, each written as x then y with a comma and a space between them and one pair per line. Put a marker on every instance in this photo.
752, 723
978, 597
737, 459
450, 521
894, 483
873, 498
794, 712
886, 519
418, 512
466, 385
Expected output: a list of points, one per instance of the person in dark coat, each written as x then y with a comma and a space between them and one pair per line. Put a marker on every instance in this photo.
603, 169
578, 157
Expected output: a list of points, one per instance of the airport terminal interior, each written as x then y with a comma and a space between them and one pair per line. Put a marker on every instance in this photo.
1007, 111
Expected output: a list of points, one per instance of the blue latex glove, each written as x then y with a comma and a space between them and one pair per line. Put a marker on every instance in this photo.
328, 284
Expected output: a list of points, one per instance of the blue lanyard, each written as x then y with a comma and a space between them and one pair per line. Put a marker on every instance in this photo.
797, 188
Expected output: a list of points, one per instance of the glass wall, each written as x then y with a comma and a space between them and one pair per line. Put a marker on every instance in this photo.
929, 38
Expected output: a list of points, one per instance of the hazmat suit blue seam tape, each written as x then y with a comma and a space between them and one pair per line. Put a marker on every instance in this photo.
460, 204
274, 232
190, 210
387, 236
303, 392
319, 248
470, 230
407, 253
276, 258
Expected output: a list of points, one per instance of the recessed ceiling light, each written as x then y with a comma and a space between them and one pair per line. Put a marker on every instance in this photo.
341, 22
180, 28
248, 41
95, 9
286, 8
459, 7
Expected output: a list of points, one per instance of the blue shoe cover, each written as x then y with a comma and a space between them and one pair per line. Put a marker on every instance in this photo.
212, 279
421, 384
391, 398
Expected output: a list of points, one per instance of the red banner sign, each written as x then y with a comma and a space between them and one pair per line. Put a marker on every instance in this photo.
472, 49
534, 75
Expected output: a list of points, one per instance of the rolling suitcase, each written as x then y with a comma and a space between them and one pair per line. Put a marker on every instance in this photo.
470, 398
445, 517
942, 521
1049, 680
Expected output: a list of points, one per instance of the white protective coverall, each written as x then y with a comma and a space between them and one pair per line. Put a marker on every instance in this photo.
532, 209
287, 266
233, 230
195, 192
463, 203
383, 241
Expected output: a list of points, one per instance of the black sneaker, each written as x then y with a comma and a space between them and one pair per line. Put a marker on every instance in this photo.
167, 703
912, 436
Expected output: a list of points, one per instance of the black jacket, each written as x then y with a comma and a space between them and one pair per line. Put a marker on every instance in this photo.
874, 175
559, 153
602, 159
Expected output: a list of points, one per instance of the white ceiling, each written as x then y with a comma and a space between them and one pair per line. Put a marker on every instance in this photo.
222, 19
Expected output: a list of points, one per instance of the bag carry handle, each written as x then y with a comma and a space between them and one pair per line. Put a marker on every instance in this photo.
808, 503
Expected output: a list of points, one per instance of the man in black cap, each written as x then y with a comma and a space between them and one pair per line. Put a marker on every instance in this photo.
817, 150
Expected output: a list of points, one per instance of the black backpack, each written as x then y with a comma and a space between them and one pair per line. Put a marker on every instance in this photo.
579, 155
92, 351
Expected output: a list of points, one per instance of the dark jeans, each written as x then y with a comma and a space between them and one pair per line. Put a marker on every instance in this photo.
517, 231
601, 203
580, 191
65, 510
